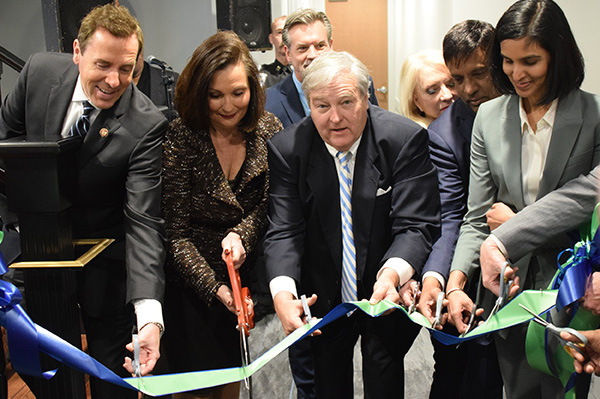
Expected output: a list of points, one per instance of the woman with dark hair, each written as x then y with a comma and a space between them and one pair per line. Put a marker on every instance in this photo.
543, 132
214, 203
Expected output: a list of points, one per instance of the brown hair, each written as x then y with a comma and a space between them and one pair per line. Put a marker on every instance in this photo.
216, 53
305, 16
115, 19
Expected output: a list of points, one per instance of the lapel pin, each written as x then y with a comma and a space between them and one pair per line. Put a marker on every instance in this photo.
103, 132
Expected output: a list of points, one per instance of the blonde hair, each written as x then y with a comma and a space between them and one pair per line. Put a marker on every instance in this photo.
409, 78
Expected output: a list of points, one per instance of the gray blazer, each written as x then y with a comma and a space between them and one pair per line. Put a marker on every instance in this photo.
561, 210
496, 173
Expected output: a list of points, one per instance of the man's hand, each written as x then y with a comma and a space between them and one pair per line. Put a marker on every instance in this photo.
428, 300
498, 214
591, 362
289, 310
232, 243
385, 287
149, 338
591, 298
492, 260
459, 310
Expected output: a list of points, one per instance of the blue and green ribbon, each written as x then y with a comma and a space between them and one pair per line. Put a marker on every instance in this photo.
570, 281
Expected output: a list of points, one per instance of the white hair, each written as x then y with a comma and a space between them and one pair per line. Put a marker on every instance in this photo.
330, 64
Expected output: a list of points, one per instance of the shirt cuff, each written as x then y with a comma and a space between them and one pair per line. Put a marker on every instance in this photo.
403, 268
283, 283
437, 276
501, 246
148, 311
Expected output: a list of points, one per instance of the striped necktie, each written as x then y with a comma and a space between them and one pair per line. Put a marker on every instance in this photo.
82, 125
349, 290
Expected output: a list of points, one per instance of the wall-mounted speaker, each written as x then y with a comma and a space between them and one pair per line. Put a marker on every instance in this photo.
250, 19
62, 19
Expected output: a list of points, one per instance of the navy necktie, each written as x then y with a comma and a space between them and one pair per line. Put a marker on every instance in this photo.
82, 125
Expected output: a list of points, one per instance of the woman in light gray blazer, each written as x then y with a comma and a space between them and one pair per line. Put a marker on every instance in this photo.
543, 132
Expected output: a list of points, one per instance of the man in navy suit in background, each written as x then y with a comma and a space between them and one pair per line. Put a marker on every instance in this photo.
306, 35
470, 371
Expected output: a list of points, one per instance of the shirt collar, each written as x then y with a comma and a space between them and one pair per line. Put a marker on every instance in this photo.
548, 117
301, 94
79, 95
353, 149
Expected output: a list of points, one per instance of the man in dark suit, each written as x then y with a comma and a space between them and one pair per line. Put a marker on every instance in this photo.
157, 81
306, 35
279, 69
471, 370
351, 217
118, 184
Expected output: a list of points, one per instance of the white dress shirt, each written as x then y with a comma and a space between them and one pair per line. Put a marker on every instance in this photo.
534, 150
402, 267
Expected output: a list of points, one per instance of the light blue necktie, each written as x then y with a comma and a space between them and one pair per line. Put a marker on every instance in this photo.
82, 125
349, 291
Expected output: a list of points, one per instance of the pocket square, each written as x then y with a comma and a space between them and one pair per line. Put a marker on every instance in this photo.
381, 191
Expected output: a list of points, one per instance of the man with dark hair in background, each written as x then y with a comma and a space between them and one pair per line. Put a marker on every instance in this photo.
279, 69
471, 370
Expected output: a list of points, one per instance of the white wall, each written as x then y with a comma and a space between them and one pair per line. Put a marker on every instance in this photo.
419, 24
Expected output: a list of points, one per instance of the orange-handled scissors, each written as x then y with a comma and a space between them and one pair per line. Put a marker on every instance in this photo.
240, 297
244, 318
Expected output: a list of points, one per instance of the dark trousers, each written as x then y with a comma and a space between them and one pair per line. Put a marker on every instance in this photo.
384, 342
303, 369
106, 338
469, 371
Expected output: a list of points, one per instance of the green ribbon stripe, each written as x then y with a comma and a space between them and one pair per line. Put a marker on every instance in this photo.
510, 315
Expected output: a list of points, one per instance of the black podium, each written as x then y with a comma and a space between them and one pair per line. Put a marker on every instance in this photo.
40, 187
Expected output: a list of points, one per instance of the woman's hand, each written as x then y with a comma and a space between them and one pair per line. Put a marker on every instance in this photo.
498, 214
226, 297
232, 244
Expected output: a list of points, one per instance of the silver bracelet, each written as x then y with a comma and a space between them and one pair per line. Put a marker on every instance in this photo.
452, 290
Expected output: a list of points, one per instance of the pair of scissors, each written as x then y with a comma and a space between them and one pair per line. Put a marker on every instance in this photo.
135, 363
137, 370
438, 310
505, 287
413, 304
471, 322
569, 346
244, 318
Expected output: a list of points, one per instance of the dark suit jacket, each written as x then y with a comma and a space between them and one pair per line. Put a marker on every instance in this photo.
283, 101
393, 211
496, 174
119, 179
449, 144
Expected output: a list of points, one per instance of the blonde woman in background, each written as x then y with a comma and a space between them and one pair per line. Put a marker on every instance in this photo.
426, 87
